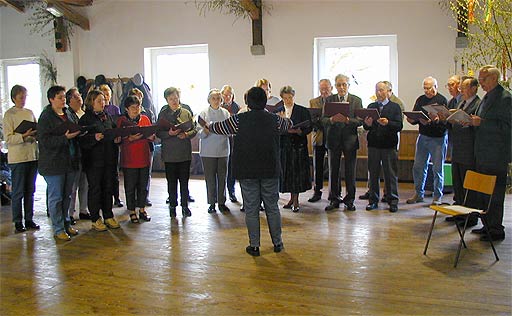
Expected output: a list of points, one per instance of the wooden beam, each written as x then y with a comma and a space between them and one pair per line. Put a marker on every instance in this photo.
70, 15
82, 3
14, 4
249, 6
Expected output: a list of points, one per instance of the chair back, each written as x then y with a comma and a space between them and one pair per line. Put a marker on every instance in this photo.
479, 182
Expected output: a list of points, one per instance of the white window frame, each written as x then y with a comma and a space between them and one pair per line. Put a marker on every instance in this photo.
321, 43
150, 63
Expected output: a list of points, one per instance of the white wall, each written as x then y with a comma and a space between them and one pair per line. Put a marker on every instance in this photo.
120, 30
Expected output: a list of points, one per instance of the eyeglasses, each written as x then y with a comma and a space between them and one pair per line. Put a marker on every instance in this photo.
428, 88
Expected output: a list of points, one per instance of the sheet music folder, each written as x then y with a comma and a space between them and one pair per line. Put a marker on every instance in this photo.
333, 108
25, 126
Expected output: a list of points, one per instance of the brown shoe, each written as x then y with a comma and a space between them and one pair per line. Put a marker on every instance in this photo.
62, 237
414, 199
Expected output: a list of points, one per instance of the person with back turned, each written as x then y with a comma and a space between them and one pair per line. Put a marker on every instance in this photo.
256, 164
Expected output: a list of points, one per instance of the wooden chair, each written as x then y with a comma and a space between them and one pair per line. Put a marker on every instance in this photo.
473, 181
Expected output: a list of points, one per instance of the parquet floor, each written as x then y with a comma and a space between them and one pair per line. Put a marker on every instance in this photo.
336, 263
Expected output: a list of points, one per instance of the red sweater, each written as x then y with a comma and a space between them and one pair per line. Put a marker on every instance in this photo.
135, 154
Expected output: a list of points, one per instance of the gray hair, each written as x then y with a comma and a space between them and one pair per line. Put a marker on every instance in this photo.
430, 78
286, 90
213, 92
342, 76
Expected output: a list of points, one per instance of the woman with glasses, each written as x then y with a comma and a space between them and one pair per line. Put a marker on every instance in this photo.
135, 159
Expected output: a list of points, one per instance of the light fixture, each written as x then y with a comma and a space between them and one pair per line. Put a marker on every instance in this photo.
54, 10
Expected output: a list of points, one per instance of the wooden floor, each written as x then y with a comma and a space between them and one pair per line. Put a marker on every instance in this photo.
337, 263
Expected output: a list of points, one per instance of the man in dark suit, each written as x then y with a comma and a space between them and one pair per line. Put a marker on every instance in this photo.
462, 139
493, 142
382, 147
341, 138
318, 136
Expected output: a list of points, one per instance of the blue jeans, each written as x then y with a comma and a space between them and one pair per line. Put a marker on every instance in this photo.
59, 189
434, 149
23, 187
253, 192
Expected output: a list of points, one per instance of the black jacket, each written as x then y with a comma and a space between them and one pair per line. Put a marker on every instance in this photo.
97, 153
57, 154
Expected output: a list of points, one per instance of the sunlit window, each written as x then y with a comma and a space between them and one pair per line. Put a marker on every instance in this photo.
183, 67
365, 59
23, 72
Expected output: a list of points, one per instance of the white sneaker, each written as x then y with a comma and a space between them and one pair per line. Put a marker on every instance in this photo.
99, 226
112, 223
437, 201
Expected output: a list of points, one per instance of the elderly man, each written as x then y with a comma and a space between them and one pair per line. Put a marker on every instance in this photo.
318, 138
430, 145
493, 125
462, 139
382, 147
453, 88
341, 138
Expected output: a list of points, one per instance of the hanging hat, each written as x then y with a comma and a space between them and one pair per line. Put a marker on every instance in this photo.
138, 79
99, 80
81, 82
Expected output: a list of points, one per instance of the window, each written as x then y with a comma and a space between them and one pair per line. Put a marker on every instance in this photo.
183, 67
365, 59
22, 72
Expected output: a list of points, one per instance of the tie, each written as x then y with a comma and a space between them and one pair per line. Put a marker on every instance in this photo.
341, 98
462, 105
381, 106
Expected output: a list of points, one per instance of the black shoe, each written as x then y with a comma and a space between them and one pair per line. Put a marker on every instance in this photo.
350, 207
494, 236
148, 203
393, 208
172, 211
31, 225
167, 201
190, 198
186, 211
278, 248
262, 209
473, 221
242, 209
232, 197
118, 203
365, 196
372, 206
223, 208
18, 228
478, 231
384, 199
288, 205
253, 251
84, 215
72, 221
332, 206
295, 209
451, 218
211, 209
144, 216
315, 198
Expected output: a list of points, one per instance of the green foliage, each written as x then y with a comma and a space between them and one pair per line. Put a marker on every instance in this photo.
43, 22
488, 30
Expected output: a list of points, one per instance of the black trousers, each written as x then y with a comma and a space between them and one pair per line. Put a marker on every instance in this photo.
318, 166
174, 172
387, 158
458, 174
100, 190
135, 187
350, 174
495, 214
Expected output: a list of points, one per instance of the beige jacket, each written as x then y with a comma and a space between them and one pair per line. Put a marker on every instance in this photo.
318, 132
19, 150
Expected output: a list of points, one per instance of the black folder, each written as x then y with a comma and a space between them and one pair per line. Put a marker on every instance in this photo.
25, 126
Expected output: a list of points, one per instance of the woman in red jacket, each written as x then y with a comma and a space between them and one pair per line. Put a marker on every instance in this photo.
135, 159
